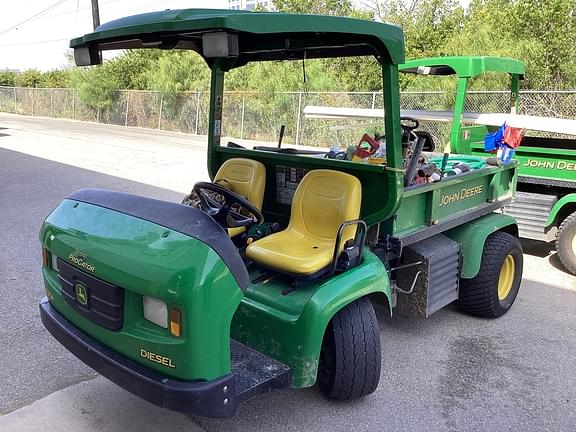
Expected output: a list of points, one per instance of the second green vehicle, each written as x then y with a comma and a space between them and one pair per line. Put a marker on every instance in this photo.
545, 205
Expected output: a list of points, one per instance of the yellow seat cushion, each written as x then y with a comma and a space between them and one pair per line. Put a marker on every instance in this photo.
292, 253
247, 178
323, 200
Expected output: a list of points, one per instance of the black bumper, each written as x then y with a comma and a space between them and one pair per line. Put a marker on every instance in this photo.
216, 398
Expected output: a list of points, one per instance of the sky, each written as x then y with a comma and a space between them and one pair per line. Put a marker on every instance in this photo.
42, 41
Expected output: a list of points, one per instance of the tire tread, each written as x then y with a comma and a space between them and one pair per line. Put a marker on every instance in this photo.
477, 294
357, 342
565, 257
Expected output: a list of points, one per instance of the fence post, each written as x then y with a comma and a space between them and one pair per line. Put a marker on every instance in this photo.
197, 113
33, 99
98, 116
15, 102
1, 104
73, 104
52, 103
160, 113
242, 118
127, 107
373, 99
299, 118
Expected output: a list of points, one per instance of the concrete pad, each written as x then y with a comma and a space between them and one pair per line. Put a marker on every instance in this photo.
95, 405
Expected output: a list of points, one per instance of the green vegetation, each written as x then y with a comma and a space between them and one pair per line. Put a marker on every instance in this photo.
541, 33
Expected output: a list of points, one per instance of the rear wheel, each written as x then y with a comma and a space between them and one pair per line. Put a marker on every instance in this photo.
566, 243
350, 359
493, 291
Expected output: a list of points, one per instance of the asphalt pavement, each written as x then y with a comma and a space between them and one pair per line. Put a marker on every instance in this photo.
450, 372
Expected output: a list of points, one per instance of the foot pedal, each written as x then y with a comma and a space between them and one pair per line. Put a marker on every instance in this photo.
256, 373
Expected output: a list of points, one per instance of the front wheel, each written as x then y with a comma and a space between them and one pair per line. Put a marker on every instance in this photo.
493, 291
350, 359
566, 243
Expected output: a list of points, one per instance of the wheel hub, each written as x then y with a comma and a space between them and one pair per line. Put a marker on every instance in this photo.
506, 278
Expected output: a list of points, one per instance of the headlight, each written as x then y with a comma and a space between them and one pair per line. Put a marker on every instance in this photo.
54, 260
155, 311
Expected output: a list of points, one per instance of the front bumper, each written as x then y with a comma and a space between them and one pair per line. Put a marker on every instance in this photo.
216, 398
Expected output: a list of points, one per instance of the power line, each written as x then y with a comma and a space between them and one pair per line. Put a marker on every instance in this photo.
34, 43
33, 17
78, 9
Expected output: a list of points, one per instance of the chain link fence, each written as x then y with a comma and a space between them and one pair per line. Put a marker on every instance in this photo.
259, 116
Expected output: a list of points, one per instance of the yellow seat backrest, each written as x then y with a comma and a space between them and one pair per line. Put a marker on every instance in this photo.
247, 178
323, 201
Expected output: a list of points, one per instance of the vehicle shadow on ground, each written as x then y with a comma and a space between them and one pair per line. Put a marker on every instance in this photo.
543, 250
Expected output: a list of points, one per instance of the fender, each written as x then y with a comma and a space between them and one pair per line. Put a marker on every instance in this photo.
472, 237
567, 201
296, 340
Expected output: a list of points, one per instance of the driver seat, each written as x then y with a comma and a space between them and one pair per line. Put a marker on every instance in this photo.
323, 201
247, 178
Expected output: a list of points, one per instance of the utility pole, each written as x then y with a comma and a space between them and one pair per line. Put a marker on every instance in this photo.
96, 22
95, 14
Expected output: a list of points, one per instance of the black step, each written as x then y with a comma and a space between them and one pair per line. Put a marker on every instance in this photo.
256, 373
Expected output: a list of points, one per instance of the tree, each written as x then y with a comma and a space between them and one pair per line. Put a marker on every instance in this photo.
28, 78
57, 78
7, 78
319, 7
178, 71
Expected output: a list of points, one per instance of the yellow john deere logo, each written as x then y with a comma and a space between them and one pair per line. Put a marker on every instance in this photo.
81, 294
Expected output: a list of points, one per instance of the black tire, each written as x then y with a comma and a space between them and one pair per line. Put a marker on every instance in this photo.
566, 243
350, 359
479, 295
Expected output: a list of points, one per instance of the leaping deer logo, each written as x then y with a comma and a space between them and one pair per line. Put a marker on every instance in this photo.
81, 294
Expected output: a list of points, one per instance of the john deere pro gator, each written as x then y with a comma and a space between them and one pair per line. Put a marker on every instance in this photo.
268, 281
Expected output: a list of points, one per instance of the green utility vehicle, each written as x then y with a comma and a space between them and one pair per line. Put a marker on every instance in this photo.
545, 206
197, 309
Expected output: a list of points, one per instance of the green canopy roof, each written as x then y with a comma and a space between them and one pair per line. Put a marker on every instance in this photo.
463, 66
261, 36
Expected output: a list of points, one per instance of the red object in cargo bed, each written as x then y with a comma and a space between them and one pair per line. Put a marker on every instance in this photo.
513, 136
362, 150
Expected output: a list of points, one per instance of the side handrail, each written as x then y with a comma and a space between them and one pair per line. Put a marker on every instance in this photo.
359, 240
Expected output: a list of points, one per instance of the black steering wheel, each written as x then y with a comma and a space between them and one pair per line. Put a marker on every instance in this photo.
227, 213
408, 129
412, 120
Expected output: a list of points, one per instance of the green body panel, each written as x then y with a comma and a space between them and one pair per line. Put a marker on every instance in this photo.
148, 259
186, 25
290, 328
470, 136
464, 66
428, 205
472, 237
564, 206
458, 110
